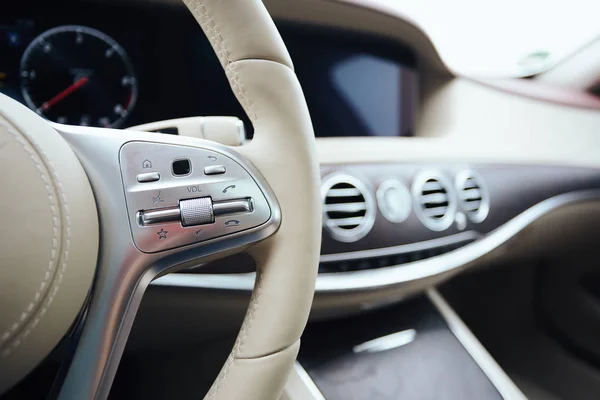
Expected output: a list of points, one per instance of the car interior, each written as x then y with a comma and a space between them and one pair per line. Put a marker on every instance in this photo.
299, 200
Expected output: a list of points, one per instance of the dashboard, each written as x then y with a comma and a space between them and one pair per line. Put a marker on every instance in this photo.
95, 65
424, 175
464, 173
480, 166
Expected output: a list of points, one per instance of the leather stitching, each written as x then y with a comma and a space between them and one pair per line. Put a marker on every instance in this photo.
238, 87
251, 312
54, 255
214, 36
56, 228
239, 343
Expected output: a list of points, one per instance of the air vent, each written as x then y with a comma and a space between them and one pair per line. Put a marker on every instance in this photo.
435, 200
348, 208
472, 196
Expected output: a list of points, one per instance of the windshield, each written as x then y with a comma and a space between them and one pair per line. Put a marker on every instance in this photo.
509, 38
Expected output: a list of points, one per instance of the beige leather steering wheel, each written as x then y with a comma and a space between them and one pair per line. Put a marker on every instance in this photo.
86, 239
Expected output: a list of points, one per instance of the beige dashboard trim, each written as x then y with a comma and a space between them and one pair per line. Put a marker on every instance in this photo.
382, 278
580, 72
464, 121
300, 386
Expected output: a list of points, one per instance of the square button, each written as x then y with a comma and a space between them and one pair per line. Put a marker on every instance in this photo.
181, 167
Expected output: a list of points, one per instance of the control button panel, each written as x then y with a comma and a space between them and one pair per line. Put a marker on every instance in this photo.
179, 210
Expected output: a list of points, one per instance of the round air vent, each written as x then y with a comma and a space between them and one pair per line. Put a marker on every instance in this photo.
348, 207
434, 200
473, 197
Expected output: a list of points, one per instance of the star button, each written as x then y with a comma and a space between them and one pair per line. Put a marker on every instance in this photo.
162, 234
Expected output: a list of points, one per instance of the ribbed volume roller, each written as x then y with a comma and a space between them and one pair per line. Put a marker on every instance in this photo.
196, 211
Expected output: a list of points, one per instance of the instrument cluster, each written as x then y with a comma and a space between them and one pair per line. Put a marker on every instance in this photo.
82, 63
78, 75
100, 64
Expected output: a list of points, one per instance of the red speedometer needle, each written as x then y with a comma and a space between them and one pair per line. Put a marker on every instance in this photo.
62, 95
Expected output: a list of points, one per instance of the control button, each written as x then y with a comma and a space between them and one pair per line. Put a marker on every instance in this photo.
181, 167
157, 199
233, 207
232, 223
196, 211
228, 188
214, 170
148, 177
394, 201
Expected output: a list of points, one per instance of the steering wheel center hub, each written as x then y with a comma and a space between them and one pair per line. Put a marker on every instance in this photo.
42, 268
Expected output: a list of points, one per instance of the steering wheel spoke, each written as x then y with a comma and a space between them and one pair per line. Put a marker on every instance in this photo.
157, 216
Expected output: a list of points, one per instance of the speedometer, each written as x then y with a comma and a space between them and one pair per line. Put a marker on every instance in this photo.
79, 76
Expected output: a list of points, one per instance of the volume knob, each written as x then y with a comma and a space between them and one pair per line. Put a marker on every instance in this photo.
197, 211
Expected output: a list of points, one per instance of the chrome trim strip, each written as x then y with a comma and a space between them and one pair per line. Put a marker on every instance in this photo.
399, 274
300, 385
402, 249
386, 342
507, 388
160, 216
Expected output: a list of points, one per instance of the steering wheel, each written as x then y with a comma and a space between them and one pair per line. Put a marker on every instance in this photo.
96, 214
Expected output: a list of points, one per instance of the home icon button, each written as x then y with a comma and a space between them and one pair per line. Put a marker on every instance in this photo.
146, 164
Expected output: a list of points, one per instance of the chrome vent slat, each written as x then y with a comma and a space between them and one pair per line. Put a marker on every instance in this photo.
431, 186
343, 192
434, 212
472, 206
352, 221
470, 194
434, 198
345, 207
469, 184
348, 207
